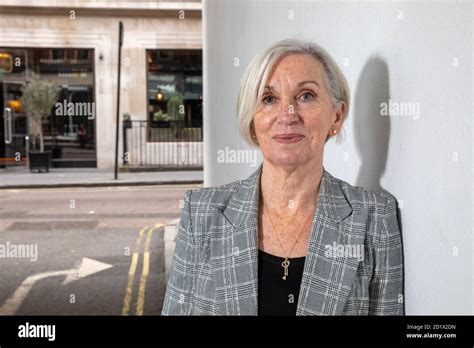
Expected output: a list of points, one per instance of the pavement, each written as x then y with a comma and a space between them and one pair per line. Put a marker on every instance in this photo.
17, 178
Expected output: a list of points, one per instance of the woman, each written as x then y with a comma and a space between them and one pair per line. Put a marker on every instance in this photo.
291, 239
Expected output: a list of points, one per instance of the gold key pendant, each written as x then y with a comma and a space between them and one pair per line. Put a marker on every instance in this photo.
285, 265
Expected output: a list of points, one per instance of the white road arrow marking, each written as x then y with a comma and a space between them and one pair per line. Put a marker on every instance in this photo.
85, 268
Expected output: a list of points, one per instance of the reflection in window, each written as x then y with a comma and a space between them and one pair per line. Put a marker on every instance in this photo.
70, 137
175, 88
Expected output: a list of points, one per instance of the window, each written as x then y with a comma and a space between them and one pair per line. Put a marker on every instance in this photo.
174, 88
70, 137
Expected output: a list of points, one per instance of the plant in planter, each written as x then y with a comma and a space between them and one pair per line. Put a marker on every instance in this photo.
161, 120
127, 120
176, 112
38, 99
176, 108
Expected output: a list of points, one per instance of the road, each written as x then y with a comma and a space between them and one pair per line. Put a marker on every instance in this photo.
85, 251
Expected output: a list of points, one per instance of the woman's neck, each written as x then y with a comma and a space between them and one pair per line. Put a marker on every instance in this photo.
288, 190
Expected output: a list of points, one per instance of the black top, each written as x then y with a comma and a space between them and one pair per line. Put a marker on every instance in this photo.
277, 296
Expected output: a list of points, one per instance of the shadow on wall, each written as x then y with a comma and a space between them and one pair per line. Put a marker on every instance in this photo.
372, 130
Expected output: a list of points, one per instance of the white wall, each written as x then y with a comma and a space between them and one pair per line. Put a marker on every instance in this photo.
417, 52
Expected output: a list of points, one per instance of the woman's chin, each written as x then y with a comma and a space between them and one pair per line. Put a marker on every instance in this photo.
287, 159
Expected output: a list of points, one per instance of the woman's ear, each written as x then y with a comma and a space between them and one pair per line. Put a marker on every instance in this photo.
252, 130
340, 113
253, 134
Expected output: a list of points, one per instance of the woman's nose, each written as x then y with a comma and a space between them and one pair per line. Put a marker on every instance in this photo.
288, 114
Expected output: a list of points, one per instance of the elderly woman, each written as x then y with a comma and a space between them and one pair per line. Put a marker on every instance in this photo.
291, 239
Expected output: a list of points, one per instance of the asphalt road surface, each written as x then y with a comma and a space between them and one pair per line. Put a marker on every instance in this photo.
85, 251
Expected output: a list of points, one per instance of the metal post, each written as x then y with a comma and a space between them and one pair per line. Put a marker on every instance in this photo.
125, 146
118, 99
27, 149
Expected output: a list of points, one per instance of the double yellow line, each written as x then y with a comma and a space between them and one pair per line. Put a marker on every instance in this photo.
145, 271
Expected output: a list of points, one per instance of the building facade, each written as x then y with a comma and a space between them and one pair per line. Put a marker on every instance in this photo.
76, 46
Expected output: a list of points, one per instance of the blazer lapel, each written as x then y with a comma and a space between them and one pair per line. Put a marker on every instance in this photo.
234, 250
329, 270
327, 276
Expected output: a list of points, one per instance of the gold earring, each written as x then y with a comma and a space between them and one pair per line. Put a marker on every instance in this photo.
334, 131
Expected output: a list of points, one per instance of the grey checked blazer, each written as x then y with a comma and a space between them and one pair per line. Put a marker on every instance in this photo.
214, 269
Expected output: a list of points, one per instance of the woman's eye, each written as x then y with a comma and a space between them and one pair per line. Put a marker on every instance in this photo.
307, 96
267, 99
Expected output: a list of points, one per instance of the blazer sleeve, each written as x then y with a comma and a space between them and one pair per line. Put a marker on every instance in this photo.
179, 290
386, 286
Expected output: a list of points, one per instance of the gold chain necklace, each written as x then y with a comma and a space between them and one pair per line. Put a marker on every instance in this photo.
286, 263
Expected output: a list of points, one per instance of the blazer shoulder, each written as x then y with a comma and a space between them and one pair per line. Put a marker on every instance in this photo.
379, 208
213, 197
361, 197
201, 204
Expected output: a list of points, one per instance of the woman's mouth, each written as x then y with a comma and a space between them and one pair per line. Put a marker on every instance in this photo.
288, 138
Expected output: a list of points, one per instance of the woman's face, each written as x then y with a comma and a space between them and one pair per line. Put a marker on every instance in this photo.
296, 113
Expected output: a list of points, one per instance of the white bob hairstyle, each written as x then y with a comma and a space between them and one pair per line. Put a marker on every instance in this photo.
257, 72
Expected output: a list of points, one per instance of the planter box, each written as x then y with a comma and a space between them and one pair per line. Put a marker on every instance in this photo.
160, 124
39, 160
56, 152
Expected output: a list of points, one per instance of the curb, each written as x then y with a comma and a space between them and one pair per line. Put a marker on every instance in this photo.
102, 184
169, 238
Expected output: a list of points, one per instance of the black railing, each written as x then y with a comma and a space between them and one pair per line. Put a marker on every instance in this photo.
161, 144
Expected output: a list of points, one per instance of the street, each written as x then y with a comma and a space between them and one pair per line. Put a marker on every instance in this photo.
85, 251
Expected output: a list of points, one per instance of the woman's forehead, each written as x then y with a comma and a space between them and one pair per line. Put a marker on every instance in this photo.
295, 68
